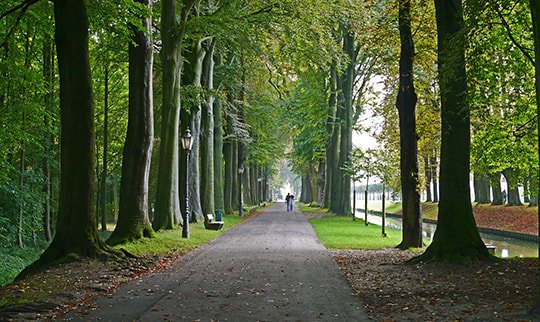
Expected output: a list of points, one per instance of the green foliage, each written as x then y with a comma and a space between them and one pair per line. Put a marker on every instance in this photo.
307, 111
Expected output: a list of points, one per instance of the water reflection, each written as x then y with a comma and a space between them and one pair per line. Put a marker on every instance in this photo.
505, 247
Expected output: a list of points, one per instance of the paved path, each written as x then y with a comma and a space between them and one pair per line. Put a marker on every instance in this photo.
270, 268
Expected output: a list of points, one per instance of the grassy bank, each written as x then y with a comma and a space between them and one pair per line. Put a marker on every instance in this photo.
169, 242
339, 232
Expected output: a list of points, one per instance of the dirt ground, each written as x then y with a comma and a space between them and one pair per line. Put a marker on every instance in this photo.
392, 290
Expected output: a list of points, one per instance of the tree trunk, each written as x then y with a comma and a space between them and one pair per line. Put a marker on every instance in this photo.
219, 198
191, 118
133, 218
427, 169
21, 187
455, 210
207, 134
345, 143
48, 76
512, 187
406, 105
104, 171
167, 208
483, 190
526, 192
76, 233
496, 189
228, 179
332, 140
433, 161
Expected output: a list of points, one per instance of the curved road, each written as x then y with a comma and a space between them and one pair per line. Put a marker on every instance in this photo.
272, 267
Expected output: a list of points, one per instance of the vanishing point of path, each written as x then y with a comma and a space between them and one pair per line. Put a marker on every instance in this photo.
270, 268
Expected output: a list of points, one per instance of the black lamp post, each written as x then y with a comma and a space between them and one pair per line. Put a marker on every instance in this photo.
240, 172
187, 143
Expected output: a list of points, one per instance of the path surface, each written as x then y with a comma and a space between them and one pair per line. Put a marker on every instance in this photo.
270, 268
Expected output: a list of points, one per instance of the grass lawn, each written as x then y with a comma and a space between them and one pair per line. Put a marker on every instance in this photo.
338, 232
310, 209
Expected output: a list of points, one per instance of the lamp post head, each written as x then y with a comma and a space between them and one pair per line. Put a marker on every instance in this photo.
187, 140
241, 169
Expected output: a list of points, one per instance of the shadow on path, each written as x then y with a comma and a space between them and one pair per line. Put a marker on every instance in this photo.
270, 268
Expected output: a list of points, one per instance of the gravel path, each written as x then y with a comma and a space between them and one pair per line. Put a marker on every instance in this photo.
270, 268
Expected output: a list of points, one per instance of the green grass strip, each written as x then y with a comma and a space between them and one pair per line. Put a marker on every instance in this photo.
339, 232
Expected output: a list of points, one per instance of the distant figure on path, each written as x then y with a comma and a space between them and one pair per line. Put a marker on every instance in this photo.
290, 204
288, 200
504, 196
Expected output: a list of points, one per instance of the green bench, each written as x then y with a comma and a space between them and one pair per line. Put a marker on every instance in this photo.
211, 224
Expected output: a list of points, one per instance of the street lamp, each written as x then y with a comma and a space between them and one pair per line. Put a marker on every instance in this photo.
187, 143
240, 172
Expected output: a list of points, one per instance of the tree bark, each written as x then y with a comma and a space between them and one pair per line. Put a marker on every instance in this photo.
167, 207
48, 76
512, 187
496, 189
343, 180
455, 209
433, 161
191, 118
104, 171
219, 198
427, 170
207, 133
332, 140
133, 218
406, 105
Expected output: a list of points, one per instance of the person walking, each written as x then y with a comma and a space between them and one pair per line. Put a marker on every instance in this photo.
288, 200
291, 202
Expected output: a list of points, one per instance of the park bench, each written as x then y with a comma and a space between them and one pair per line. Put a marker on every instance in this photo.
211, 224
491, 248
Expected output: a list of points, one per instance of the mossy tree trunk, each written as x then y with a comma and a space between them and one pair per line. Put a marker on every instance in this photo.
48, 76
406, 105
345, 144
207, 133
219, 198
133, 219
456, 237
105, 165
76, 233
167, 205
331, 141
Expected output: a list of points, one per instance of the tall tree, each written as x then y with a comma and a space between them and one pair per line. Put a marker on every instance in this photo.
406, 105
207, 131
172, 35
219, 198
76, 233
133, 219
455, 210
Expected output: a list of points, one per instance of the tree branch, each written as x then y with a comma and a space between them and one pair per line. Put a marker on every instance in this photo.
509, 32
25, 4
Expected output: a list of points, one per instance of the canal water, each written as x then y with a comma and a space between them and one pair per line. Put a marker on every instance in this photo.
505, 247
